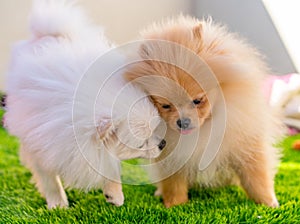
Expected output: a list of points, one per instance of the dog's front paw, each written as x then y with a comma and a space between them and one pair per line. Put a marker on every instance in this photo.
158, 192
274, 204
57, 203
113, 193
115, 199
175, 200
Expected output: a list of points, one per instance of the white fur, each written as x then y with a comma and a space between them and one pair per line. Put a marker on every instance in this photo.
50, 107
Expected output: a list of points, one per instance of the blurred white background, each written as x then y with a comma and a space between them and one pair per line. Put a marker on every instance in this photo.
123, 20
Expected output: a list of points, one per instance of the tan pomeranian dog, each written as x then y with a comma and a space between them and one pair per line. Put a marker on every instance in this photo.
207, 86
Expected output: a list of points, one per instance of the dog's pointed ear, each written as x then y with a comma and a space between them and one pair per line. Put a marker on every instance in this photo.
104, 127
197, 31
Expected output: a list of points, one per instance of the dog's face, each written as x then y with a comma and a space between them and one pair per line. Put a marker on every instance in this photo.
185, 116
180, 100
133, 137
166, 71
141, 139
183, 105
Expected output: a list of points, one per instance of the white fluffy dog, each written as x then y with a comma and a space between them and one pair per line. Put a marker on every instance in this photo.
63, 112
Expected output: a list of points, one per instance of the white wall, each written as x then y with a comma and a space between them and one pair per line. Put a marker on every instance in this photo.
286, 17
13, 26
252, 21
122, 19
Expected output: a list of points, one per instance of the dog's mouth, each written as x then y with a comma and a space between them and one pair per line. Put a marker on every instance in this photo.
184, 125
186, 131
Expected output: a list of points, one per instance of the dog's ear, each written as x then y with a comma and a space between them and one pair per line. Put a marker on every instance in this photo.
104, 127
197, 34
151, 98
197, 31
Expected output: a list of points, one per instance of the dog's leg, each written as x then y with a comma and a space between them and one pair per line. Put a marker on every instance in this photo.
174, 190
48, 184
158, 191
257, 179
50, 187
112, 187
113, 193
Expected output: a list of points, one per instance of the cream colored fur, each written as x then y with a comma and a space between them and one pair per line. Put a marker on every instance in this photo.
220, 61
72, 135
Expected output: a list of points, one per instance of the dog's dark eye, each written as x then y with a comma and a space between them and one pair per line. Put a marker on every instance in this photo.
197, 101
166, 106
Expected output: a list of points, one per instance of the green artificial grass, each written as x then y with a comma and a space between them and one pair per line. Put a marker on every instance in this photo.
21, 203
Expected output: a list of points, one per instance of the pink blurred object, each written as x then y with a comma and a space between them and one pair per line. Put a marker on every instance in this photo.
270, 81
293, 131
268, 89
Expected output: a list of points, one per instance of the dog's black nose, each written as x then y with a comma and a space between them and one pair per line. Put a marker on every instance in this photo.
162, 144
183, 123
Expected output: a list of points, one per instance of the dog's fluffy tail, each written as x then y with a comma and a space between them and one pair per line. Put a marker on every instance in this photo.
58, 18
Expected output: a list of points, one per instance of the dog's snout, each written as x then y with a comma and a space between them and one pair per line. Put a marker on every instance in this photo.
162, 144
183, 123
